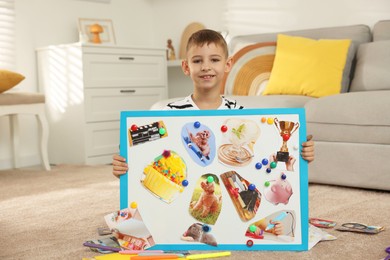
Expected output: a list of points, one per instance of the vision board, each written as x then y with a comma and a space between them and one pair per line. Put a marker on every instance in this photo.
214, 180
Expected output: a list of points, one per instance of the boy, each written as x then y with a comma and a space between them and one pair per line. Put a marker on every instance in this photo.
206, 63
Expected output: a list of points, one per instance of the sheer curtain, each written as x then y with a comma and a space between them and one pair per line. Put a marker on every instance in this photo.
7, 34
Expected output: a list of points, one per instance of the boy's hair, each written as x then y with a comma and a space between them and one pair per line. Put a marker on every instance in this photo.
207, 36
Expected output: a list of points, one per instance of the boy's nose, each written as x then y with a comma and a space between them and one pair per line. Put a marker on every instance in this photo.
205, 67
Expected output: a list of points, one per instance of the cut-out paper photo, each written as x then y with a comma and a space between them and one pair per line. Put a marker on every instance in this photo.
279, 190
279, 226
240, 136
206, 201
201, 233
165, 176
244, 195
285, 129
129, 229
200, 142
147, 133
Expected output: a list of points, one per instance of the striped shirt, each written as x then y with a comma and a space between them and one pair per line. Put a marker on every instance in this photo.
188, 104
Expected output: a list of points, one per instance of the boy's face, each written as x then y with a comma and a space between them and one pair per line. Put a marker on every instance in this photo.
206, 65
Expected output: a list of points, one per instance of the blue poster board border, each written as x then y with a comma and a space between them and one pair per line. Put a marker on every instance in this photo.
303, 246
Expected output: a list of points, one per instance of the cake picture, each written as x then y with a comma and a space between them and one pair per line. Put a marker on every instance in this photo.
166, 176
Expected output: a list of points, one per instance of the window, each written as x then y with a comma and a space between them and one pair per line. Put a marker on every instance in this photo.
7, 34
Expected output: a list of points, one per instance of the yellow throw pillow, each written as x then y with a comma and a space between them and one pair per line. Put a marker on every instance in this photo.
9, 79
308, 67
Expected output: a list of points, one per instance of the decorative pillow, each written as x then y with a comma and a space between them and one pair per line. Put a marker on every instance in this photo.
251, 70
310, 67
372, 67
9, 79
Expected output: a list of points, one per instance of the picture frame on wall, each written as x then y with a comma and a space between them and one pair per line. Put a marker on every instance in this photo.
96, 31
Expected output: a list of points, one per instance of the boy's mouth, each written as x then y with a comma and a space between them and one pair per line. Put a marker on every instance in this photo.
207, 76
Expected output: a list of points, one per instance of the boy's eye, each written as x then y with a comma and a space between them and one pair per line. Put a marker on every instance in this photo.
215, 60
196, 61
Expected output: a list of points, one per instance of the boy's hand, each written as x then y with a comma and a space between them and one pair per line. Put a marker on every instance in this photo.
308, 149
119, 165
278, 228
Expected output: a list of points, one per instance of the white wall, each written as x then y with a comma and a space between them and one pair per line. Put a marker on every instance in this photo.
258, 16
46, 22
152, 22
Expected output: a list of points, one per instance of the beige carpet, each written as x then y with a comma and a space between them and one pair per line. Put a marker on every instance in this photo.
48, 215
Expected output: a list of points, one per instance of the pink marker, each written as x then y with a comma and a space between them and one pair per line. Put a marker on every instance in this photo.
135, 252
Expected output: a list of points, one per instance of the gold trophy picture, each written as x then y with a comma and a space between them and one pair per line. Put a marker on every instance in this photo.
285, 129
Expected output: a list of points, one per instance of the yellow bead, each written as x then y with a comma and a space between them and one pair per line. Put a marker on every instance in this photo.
270, 120
133, 205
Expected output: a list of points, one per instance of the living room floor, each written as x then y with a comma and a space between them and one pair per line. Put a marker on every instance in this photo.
48, 215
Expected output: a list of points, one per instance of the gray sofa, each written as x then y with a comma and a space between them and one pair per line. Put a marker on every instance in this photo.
351, 130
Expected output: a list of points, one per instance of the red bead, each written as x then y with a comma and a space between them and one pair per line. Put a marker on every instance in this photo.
134, 128
224, 128
286, 137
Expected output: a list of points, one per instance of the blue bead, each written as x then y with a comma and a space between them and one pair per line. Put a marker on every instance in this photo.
251, 187
268, 170
258, 166
283, 176
184, 183
206, 228
264, 161
197, 124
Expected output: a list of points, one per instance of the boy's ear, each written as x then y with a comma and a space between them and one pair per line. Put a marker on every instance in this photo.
184, 67
229, 64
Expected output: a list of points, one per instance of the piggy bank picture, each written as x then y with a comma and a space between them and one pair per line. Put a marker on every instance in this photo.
279, 191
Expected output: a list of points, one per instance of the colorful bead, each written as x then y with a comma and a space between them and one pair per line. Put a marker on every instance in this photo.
162, 131
134, 128
252, 228
273, 165
258, 166
264, 161
197, 124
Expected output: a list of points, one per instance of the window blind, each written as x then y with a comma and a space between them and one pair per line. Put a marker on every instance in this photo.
7, 34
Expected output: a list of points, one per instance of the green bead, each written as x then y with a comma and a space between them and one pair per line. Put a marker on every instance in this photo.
273, 165
266, 184
162, 131
210, 179
252, 228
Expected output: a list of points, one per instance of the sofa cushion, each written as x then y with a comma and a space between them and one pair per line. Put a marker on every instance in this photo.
381, 31
310, 67
372, 67
274, 101
357, 117
357, 33
251, 69
354, 108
